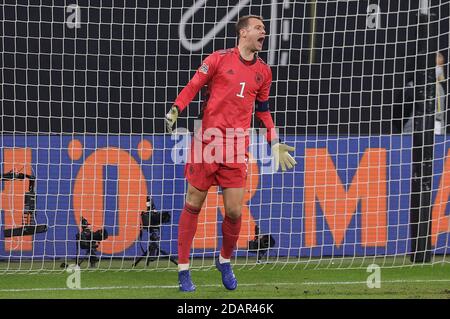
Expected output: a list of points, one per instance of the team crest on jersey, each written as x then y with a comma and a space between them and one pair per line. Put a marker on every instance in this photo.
258, 78
204, 68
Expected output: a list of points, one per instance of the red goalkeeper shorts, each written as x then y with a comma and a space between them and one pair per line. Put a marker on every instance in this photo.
203, 173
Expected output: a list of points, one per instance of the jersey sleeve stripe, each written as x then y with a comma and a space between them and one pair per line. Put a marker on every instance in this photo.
262, 106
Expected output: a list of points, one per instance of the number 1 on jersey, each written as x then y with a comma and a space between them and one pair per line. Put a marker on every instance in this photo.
242, 90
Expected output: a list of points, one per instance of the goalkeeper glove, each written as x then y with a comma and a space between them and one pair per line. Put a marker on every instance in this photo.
281, 156
171, 118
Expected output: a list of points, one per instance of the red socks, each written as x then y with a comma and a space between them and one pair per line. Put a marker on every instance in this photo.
187, 226
230, 231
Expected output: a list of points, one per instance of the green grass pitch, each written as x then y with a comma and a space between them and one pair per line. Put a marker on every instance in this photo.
324, 279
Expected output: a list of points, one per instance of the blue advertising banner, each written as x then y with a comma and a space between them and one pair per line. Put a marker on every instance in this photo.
347, 196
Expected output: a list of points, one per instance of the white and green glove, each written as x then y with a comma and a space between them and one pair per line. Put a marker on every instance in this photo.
171, 118
281, 156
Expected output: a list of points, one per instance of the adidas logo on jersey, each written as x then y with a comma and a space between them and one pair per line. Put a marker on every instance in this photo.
230, 71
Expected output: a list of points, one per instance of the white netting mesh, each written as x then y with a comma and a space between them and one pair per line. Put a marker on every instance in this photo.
86, 84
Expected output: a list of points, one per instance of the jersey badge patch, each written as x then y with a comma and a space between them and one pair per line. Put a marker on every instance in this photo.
258, 78
204, 68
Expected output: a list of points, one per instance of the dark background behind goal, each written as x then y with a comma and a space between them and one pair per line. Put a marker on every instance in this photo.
121, 70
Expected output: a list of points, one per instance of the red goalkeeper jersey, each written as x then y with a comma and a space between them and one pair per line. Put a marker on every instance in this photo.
233, 87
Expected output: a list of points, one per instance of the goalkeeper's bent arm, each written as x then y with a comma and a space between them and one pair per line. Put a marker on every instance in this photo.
280, 151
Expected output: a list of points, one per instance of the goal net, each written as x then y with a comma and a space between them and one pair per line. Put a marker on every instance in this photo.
360, 88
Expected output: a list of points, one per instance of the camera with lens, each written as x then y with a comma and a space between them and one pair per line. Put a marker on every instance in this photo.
29, 225
152, 218
89, 240
261, 243
151, 221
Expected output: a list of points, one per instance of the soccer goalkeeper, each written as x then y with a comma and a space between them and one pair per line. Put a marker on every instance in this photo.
236, 78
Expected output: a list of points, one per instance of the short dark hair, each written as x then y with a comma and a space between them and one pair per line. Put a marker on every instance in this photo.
243, 22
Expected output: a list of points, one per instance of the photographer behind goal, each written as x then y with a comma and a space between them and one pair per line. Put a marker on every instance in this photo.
151, 221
